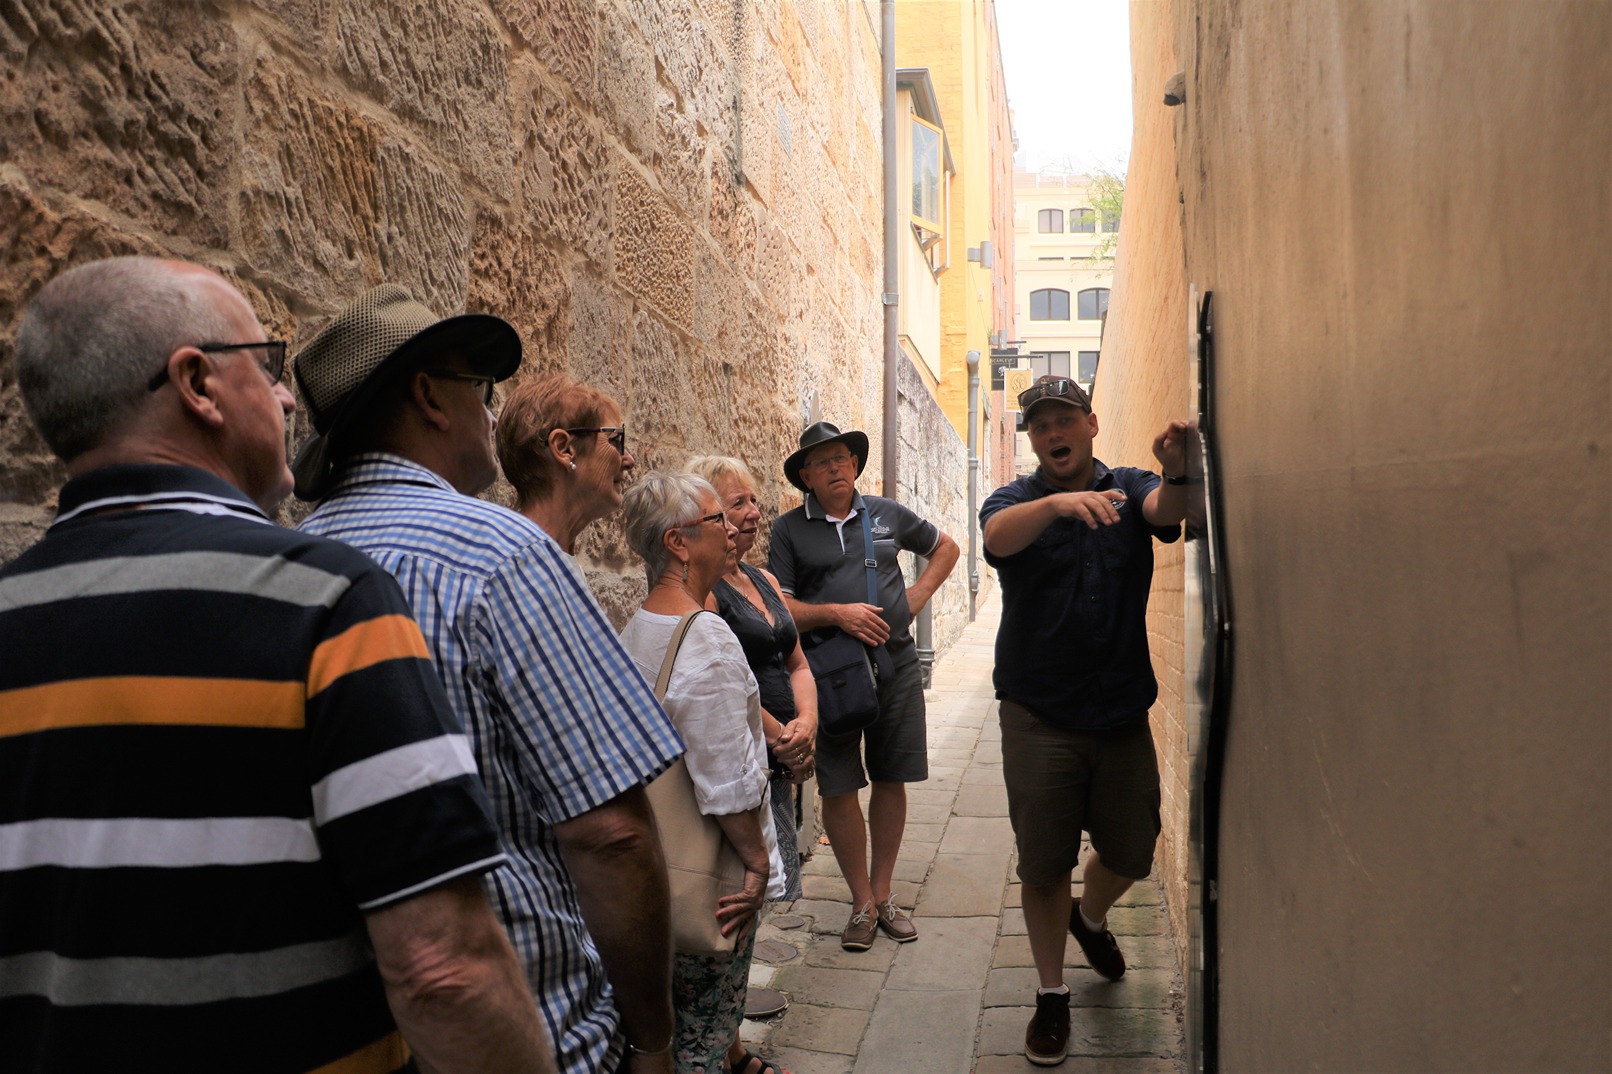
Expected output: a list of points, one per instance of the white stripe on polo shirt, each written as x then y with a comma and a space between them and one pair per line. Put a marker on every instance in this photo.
104, 843
391, 775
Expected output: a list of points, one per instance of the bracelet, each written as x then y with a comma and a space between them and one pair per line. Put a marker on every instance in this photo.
1181, 480
662, 1050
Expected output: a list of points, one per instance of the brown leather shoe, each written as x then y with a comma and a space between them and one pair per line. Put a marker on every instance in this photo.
895, 922
860, 930
1046, 1040
1102, 952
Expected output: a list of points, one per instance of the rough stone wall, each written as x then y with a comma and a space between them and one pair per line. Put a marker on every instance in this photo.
1401, 210
931, 459
677, 200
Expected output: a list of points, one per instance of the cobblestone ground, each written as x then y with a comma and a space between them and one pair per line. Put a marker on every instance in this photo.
958, 1000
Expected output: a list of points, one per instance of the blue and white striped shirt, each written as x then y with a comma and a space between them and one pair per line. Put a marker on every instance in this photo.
559, 716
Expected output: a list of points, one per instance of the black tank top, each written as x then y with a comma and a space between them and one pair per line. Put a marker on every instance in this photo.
766, 645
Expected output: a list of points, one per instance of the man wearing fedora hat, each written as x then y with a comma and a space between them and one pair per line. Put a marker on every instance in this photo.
565, 731
1072, 544
241, 827
818, 556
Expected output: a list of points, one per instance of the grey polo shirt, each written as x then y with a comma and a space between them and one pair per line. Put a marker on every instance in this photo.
819, 561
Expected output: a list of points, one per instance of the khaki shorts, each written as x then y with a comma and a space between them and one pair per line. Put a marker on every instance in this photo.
1060, 783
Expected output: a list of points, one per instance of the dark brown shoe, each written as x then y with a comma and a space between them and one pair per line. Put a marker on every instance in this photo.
1046, 1041
1102, 953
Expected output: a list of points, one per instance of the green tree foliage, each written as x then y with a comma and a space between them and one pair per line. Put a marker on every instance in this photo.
1107, 194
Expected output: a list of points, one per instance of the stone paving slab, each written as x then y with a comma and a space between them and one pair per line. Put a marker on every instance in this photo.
1018, 1064
948, 950
931, 1032
964, 885
977, 835
1012, 986
821, 1029
981, 801
821, 987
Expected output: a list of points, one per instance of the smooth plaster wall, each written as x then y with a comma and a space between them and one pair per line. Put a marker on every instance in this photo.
1402, 209
677, 200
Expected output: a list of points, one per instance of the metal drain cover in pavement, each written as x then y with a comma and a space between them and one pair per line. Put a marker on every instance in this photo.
764, 1002
774, 951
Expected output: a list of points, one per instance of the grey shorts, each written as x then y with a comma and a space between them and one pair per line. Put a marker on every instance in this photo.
1060, 783
897, 743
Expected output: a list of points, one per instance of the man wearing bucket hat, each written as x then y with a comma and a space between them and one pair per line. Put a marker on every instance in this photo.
565, 731
240, 819
818, 556
1072, 544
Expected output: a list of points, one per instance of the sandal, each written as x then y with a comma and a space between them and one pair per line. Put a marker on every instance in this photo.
744, 1066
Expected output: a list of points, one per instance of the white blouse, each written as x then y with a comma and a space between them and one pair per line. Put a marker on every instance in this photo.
713, 700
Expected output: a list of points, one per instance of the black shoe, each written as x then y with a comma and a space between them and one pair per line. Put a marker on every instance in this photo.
1046, 1041
1102, 953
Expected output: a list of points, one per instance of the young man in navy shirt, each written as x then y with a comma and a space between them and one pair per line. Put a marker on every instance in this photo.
1072, 545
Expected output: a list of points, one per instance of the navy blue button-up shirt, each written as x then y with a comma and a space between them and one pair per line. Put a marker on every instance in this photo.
1072, 647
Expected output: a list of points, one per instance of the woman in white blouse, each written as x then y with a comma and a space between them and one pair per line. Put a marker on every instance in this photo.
675, 522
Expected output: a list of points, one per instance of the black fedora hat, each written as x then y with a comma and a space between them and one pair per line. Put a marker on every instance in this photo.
381, 334
815, 436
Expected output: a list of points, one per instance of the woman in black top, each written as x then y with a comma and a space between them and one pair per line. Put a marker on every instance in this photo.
747, 598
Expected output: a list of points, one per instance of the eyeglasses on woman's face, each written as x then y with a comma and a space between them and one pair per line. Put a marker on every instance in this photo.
617, 438
717, 516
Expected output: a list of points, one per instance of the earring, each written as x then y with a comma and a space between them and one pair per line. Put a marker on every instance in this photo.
685, 570
573, 465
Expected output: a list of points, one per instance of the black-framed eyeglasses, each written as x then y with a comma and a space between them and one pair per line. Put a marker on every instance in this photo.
272, 360
720, 516
617, 438
483, 379
1056, 388
829, 462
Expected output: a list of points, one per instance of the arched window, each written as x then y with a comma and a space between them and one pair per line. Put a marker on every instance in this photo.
1082, 222
1093, 304
1049, 304
1110, 222
1049, 221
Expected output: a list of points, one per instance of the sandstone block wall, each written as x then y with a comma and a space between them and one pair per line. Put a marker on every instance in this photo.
677, 200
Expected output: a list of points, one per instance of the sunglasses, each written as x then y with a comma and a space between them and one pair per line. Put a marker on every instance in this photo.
1054, 389
617, 438
272, 360
483, 379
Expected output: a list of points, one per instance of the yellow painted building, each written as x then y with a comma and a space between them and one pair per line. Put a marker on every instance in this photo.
955, 43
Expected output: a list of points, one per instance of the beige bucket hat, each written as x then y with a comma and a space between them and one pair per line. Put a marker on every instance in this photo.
384, 332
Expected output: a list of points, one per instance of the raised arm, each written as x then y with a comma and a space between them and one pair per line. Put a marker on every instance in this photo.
454, 986
1167, 504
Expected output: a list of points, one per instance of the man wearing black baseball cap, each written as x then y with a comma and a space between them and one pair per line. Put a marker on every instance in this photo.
1072, 544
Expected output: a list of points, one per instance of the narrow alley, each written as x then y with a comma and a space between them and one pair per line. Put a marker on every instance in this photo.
957, 1001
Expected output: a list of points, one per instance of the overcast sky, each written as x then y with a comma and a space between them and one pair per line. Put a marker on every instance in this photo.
1068, 68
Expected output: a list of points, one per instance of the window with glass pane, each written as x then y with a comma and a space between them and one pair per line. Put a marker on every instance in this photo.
1086, 371
1110, 221
926, 174
1049, 304
1049, 221
1049, 363
1093, 303
1082, 222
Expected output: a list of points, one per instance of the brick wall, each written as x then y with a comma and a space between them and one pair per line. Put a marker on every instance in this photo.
677, 200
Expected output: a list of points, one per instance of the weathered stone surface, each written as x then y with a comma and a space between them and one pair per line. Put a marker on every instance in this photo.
422, 232
126, 104
654, 249
564, 35
514, 276
309, 190
306, 21
627, 88
443, 68
680, 158
731, 222
565, 167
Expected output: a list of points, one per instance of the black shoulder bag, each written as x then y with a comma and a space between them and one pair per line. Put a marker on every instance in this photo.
847, 670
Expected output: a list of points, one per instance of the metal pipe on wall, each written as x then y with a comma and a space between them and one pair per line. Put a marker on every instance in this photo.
892, 222
973, 477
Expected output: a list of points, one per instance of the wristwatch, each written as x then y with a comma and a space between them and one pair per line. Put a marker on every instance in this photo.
1181, 480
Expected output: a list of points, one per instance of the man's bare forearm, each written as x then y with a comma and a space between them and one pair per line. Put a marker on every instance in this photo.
615, 861
454, 985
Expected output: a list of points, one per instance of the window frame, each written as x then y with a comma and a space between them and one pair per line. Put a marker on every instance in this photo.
1049, 292
1041, 219
1083, 221
1099, 303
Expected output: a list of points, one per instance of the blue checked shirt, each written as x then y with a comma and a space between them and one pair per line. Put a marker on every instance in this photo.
560, 719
